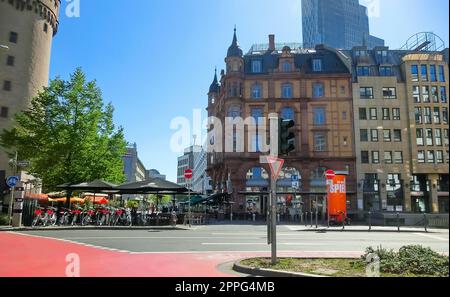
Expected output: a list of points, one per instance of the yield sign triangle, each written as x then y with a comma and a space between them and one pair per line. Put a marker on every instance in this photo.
276, 164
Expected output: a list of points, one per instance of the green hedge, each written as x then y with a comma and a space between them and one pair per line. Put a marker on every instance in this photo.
411, 260
4, 220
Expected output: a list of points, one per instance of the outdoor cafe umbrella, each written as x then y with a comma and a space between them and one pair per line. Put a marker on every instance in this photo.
95, 186
152, 186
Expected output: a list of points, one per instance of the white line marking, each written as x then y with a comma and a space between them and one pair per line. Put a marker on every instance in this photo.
234, 243
432, 236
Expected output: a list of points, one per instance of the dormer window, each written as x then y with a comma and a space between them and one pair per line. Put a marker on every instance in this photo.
287, 66
256, 66
317, 65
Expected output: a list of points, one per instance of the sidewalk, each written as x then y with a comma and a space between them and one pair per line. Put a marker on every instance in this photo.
362, 228
58, 228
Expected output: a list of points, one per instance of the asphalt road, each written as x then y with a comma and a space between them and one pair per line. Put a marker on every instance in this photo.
245, 238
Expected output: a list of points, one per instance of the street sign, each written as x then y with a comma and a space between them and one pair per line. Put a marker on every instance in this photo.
12, 181
330, 174
23, 163
188, 174
294, 178
296, 185
276, 165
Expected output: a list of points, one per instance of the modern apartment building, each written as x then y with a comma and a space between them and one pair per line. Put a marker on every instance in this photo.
133, 169
187, 162
401, 129
201, 182
340, 24
311, 87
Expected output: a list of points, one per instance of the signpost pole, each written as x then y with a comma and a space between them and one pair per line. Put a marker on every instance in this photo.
188, 174
11, 201
274, 219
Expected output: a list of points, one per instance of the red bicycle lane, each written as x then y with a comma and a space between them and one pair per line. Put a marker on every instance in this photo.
31, 256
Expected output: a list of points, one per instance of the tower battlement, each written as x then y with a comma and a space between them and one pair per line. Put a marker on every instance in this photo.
46, 9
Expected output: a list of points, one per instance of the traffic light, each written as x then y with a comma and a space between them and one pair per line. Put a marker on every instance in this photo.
286, 137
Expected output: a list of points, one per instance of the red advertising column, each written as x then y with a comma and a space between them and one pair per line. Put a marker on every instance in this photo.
337, 198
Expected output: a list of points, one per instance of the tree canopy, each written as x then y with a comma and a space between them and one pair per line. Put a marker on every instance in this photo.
68, 135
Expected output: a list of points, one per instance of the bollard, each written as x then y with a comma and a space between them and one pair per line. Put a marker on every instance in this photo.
398, 221
370, 221
317, 219
301, 217
343, 222
278, 217
311, 219
254, 217
306, 219
425, 222
231, 216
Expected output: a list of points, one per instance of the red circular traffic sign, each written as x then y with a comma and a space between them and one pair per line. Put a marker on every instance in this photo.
330, 174
188, 174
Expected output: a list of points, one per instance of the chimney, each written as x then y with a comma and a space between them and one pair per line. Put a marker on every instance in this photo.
271, 42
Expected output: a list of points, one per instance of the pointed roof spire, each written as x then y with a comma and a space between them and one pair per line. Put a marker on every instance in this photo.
234, 50
214, 88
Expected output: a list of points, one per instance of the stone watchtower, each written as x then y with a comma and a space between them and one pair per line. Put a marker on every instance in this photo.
27, 28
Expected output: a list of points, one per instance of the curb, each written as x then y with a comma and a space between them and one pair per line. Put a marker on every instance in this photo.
238, 267
367, 230
10, 229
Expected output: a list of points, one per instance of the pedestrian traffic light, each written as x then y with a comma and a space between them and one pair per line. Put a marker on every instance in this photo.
286, 137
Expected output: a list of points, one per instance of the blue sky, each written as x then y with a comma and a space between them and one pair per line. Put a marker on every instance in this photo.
154, 60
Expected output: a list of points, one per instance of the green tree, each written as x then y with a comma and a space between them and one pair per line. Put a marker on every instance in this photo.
68, 135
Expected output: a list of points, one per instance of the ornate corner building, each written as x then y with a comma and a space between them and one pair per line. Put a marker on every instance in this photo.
27, 28
311, 87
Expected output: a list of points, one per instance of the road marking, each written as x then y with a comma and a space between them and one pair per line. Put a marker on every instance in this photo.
432, 236
234, 243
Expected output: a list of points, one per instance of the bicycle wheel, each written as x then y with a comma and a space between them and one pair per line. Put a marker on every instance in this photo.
35, 221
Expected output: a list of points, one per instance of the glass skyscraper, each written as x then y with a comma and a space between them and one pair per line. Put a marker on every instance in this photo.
339, 24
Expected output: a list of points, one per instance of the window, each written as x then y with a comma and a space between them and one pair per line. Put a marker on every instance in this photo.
421, 156
415, 73
398, 157
4, 112
387, 135
440, 157
45, 27
360, 53
446, 137
418, 115
430, 157
441, 73
344, 115
389, 93
317, 65
396, 114
425, 94
445, 115
437, 115
429, 136
433, 77
435, 94
288, 113
10, 61
443, 95
257, 113
364, 136
363, 114
318, 90
397, 135
13, 37
376, 157
386, 114
364, 157
7, 85
427, 115
320, 144
366, 93
256, 91
363, 70
388, 157
438, 137
373, 114
319, 116
416, 94
385, 71
234, 111
424, 72
286, 91
256, 66
419, 137
287, 67
374, 135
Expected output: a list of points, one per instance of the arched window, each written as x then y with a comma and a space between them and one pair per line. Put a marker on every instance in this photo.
286, 91
256, 91
287, 66
287, 113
